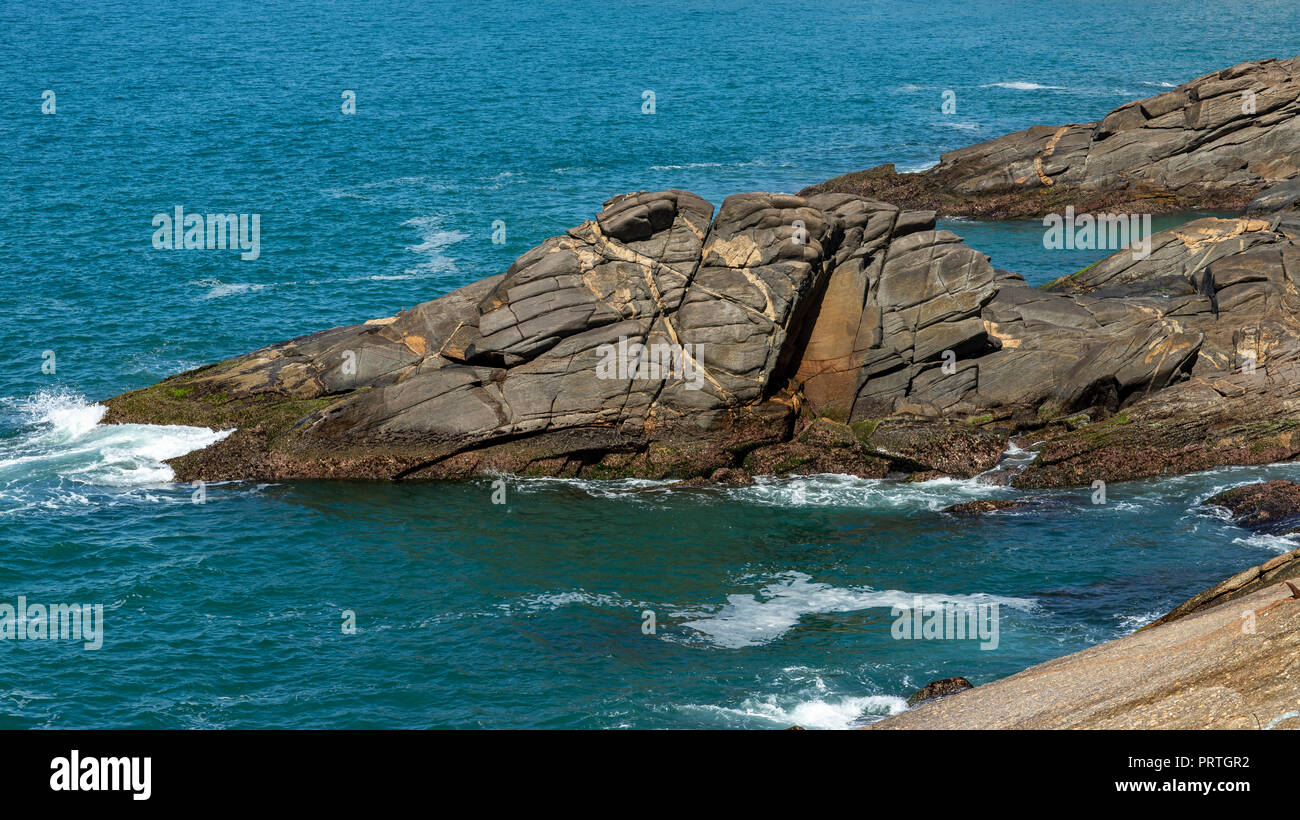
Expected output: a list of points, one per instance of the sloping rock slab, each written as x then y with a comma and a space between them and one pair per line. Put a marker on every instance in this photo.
1202, 671
1284, 567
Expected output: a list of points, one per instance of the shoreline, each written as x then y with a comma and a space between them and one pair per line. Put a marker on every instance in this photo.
1227, 663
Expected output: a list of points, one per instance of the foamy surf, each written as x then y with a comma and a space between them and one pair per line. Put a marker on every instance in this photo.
1273, 543
834, 490
819, 490
813, 712
433, 242
219, 290
62, 438
754, 620
917, 167
1018, 85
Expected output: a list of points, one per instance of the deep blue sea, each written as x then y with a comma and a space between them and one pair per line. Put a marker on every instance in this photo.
772, 603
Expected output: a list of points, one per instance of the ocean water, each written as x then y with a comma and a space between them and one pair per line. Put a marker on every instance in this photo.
772, 604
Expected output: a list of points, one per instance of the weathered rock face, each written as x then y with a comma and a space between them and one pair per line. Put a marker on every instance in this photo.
829, 332
1217, 140
914, 356
538, 371
1223, 303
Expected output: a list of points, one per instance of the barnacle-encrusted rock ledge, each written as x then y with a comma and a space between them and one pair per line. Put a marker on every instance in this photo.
803, 334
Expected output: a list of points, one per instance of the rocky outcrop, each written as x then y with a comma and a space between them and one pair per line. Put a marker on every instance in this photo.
653, 340
823, 333
1230, 666
980, 507
1270, 507
1216, 141
785, 335
1222, 296
1282, 197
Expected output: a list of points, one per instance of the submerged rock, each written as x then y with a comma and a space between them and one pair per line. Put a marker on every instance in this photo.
939, 689
1215, 141
974, 509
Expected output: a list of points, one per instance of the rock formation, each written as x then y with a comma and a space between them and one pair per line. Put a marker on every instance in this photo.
934, 690
822, 333
913, 354
1271, 507
1216, 141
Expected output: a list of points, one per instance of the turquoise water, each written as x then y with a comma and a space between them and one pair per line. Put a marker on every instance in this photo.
772, 603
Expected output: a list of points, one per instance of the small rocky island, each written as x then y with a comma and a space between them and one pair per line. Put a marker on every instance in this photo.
829, 332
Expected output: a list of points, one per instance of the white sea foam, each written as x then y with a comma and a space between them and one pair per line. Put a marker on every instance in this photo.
686, 166
551, 601
218, 289
1013, 460
597, 488
832, 490
811, 712
1273, 543
916, 167
820, 490
434, 241
1131, 623
398, 190
1020, 85
753, 620
63, 439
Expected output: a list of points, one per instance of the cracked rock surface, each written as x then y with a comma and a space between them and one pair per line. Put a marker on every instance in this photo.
832, 332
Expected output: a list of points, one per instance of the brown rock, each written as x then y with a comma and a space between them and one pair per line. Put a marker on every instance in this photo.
1269, 506
974, 509
939, 689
